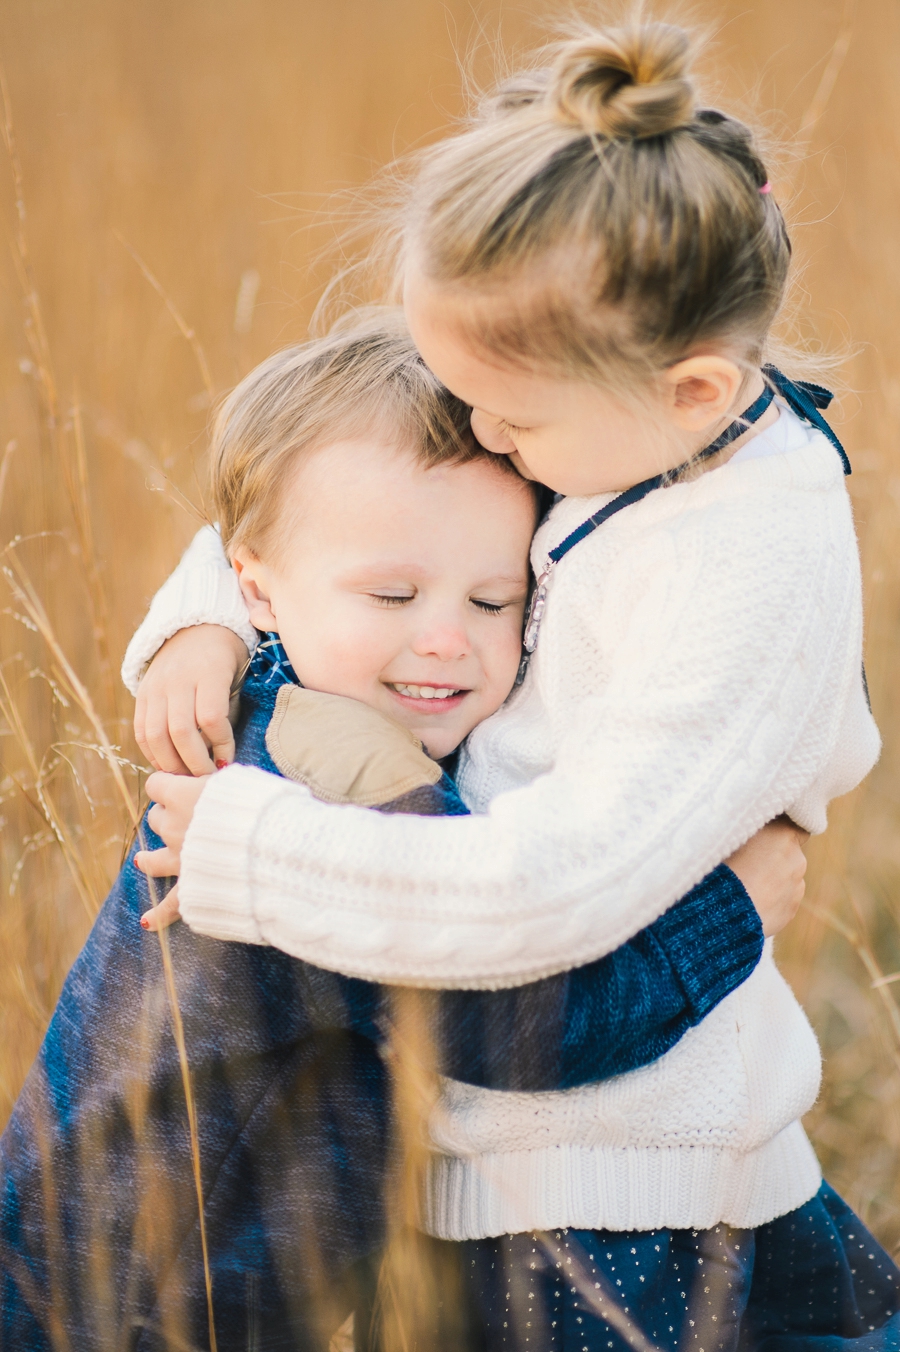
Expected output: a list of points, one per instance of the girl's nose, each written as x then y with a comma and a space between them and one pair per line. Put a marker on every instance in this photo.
491, 433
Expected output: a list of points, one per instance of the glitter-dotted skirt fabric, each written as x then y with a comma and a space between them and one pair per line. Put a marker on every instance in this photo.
812, 1281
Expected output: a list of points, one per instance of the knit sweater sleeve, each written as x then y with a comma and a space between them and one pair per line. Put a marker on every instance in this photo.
614, 1015
732, 637
203, 589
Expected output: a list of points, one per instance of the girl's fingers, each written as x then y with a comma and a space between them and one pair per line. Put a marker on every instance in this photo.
163, 863
158, 917
156, 744
165, 757
212, 719
140, 711
162, 787
144, 721
223, 751
156, 819
174, 799
186, 737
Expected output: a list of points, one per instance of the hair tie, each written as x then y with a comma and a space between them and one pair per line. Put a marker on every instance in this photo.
766, 187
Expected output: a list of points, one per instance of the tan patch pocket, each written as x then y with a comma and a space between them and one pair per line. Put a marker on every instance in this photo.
343, 751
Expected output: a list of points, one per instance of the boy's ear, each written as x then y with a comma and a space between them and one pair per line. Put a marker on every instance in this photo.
253, 577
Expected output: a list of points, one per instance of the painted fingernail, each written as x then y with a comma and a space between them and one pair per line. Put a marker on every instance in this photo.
137, 864
145, 923
220, 764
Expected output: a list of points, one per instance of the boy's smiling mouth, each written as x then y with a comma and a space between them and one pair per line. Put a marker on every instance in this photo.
430, 698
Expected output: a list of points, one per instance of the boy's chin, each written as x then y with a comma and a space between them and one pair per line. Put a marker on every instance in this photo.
439, 743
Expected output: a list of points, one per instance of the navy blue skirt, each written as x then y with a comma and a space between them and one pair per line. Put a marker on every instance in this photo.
814, 1280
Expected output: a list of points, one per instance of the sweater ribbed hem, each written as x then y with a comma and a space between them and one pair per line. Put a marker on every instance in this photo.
215, 888
677, 1187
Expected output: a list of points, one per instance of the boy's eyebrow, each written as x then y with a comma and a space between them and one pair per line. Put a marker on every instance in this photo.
385, 568
514, 579
380, 567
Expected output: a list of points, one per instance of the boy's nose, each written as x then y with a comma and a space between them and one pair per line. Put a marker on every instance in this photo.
447, 641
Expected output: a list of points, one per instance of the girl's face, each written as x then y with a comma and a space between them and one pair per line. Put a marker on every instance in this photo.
566, 433
400, 586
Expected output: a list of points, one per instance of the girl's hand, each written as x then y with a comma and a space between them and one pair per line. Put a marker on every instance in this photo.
165, 914
772, 867
181, 716
174, 799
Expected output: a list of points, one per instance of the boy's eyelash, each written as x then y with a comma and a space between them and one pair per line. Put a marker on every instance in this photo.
389, 600
511, 427
488, 607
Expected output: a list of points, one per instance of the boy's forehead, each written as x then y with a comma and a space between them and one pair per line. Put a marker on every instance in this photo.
370, 565
359, 495
370, 474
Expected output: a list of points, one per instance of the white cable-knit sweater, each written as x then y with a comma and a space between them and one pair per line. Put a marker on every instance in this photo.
698, 672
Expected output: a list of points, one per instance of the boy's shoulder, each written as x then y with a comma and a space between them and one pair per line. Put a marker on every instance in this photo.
252, 711
341, 750
344, 751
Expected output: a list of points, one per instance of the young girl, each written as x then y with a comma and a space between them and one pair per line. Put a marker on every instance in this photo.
594, 267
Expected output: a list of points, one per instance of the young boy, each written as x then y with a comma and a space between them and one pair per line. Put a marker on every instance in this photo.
390, 554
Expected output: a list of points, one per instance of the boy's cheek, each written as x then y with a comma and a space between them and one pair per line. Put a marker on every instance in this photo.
334, 646
503, 664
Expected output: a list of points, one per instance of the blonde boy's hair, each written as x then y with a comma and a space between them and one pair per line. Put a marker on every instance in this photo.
364, 379
596, 218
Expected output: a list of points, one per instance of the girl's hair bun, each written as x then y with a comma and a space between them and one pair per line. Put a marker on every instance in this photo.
624, 83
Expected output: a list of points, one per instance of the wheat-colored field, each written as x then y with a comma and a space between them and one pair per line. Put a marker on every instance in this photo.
166, 191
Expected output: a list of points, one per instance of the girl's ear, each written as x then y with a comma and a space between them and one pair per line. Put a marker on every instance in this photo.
702, 391
254, 578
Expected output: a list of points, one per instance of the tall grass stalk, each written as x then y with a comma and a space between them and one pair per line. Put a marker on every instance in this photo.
69, 688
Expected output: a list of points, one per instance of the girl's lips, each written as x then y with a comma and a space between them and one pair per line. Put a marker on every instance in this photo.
429, 704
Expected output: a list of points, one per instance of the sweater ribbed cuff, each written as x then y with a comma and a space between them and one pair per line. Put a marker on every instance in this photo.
714, 938
216, 894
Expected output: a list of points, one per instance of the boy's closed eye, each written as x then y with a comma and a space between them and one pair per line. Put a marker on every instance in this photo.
489, 607
391, 598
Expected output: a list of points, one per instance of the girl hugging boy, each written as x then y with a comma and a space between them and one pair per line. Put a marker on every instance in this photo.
390, 553
591, 269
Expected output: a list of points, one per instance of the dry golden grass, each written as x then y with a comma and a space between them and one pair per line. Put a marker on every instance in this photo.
172, 159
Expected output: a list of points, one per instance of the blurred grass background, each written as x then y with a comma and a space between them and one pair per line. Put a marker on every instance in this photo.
206, 138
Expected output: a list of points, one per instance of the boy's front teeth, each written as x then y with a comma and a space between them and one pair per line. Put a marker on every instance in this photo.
424, 691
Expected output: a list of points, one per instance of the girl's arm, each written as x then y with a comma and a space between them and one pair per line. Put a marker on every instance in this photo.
604, 1019
199, 621
609, 1017
203, 589
733, 695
